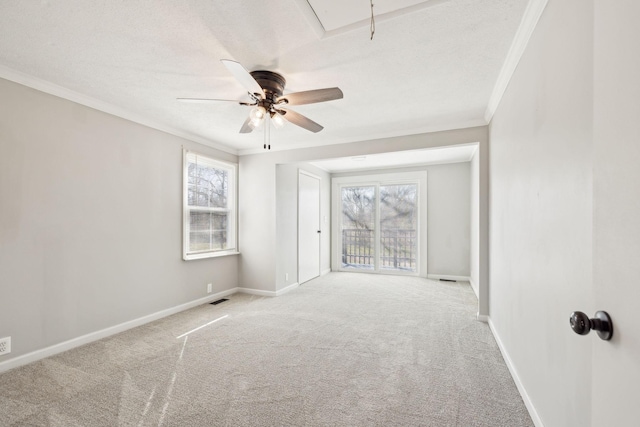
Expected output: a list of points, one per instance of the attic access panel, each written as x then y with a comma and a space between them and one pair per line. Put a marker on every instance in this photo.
337, 16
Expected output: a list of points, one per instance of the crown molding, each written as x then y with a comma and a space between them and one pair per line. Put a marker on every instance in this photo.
70, 95
530, 19
311, 17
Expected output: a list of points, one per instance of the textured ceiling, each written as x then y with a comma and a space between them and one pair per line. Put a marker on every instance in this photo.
337, 14
431, 69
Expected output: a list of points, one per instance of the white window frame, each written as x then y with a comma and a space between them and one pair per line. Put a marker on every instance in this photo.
376, 180
231, 209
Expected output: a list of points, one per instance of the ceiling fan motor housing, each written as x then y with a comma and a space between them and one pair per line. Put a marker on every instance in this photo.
273, 85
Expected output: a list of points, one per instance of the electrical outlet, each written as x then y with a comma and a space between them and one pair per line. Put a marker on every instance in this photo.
209, 288
286, 277
5, 346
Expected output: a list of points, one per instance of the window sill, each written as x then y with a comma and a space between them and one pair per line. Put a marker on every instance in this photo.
209, 255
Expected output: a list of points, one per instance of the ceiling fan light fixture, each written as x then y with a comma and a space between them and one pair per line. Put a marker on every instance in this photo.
255, 124
277, 120
257, 114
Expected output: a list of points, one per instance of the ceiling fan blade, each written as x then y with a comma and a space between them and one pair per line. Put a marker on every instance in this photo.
312, 96
243, 76
205, 100
300, 120
245, 126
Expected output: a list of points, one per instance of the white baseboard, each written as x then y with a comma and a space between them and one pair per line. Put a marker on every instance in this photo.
94, 336
261, 293
258, 292
287, 289
447, 277
325, 272
537, 421
482, 318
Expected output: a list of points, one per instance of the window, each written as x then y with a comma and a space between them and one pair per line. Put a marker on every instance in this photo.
209, 207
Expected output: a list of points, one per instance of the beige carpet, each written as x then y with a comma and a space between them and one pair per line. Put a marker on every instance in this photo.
341, 350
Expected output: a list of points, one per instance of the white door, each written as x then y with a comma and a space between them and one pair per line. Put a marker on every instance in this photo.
308, 227
616, 182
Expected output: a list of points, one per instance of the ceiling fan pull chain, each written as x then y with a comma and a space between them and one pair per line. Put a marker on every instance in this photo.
267, 125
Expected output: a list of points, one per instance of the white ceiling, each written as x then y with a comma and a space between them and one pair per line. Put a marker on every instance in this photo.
431, 65
335, 15
431, 156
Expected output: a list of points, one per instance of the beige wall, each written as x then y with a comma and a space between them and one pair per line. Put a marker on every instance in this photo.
541, 214
90, 222
565, 214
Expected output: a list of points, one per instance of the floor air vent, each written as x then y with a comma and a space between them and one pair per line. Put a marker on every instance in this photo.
219, 301
447, 280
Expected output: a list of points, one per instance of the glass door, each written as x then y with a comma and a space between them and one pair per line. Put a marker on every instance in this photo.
379, 227
358, 227
398, 227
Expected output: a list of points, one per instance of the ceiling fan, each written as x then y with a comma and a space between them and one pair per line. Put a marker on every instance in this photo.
266, 91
